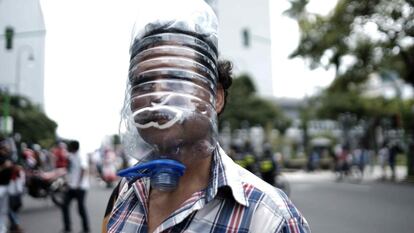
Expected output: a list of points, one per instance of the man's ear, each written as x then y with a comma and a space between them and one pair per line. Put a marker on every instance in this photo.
220, 99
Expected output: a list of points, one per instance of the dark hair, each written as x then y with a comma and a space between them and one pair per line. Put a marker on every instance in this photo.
172, 27
73, 146
225, 77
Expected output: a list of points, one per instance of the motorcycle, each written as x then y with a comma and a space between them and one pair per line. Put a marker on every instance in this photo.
40, 184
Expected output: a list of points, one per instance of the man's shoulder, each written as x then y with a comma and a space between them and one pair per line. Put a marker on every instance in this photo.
263, 195
271, 206
257, 193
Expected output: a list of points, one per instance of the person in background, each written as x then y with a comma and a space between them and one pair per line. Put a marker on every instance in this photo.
16, 183
249, 157
78, 182
6, 172
16, 190
109, 167
394, 150
267, 165
60, 155
383, 155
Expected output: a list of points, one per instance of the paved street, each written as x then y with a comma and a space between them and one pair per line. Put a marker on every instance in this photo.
351, 207
329, 206
348, 207
41, 216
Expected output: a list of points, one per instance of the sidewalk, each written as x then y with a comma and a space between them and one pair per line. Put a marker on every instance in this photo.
370, 174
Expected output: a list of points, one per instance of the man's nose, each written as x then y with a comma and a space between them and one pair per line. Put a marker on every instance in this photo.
159, 99
158, 87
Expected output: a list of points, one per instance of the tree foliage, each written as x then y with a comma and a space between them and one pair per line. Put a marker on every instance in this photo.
358, 38
243, 105
331, 105
28, 120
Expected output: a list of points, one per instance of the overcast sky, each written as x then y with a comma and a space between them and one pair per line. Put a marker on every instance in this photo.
86, 63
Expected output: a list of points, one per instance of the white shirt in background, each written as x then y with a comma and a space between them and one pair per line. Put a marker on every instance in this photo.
77, 162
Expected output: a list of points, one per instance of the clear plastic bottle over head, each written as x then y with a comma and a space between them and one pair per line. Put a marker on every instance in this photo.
169, 113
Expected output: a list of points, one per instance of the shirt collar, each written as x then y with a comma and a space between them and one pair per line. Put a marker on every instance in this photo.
224, 173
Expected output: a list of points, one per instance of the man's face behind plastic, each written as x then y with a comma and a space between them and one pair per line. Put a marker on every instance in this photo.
171, 115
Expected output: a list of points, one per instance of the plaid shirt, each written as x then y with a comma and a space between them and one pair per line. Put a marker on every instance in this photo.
234, 201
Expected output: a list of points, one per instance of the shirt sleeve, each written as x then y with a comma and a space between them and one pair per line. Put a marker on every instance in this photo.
296, 225
294, 222
84, 161
110, 206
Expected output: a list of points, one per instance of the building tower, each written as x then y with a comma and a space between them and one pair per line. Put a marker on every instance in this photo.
245, 39
22, 42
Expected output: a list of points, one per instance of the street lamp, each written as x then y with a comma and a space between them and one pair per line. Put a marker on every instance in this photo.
23, 50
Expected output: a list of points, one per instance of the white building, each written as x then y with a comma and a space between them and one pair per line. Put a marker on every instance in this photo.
22, 65
245, 39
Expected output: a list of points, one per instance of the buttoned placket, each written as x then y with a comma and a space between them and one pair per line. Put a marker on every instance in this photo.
194, 203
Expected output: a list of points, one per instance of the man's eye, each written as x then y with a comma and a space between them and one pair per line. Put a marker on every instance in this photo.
148, 87
201, 107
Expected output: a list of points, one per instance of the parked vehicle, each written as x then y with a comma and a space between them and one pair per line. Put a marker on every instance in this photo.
50, 184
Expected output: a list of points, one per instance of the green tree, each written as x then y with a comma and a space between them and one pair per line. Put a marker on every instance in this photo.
28, 120
244, 105
359, 38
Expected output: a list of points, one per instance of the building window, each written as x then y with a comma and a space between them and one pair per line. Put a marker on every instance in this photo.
246, 37
9, 33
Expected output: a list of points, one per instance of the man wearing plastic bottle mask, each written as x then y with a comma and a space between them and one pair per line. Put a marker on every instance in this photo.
184, 181
175, 96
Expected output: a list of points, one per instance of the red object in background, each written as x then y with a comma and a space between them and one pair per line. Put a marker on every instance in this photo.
109, 168
61, 157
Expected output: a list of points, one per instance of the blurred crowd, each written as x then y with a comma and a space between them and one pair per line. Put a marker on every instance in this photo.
352, 163
45, 173
263, 162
